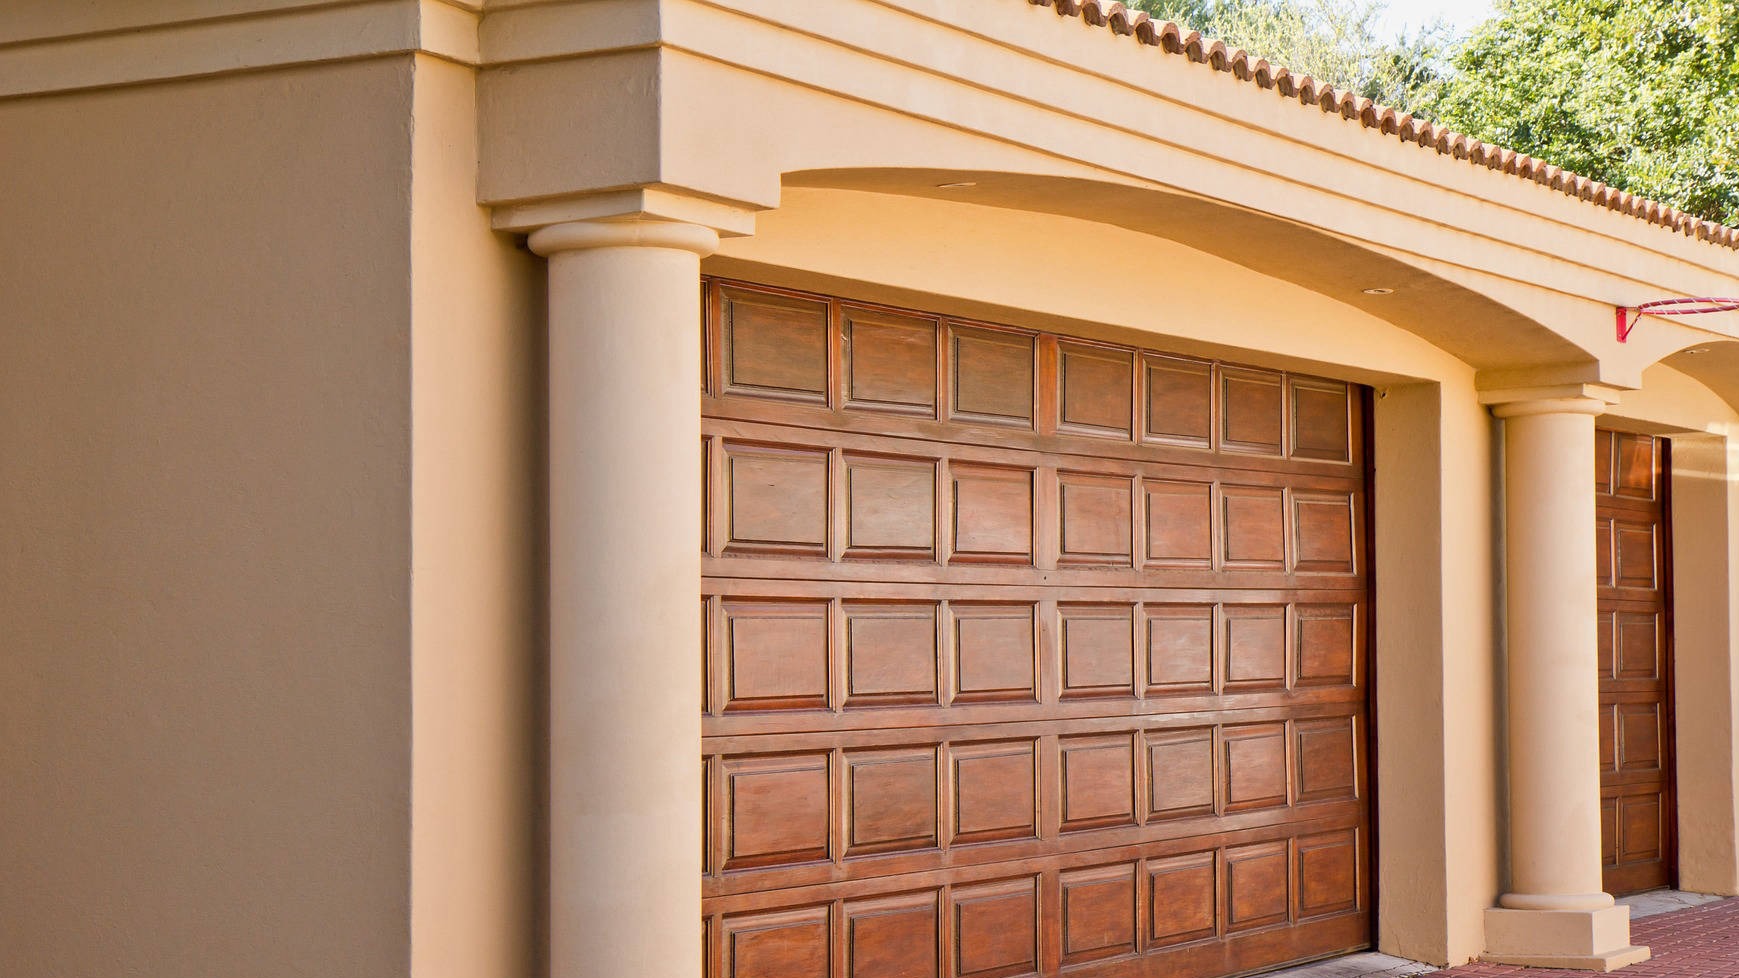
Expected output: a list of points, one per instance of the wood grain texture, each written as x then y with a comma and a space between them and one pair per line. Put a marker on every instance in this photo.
1634, 572
1028, 653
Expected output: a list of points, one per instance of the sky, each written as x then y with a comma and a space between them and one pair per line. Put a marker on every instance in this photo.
1413, 14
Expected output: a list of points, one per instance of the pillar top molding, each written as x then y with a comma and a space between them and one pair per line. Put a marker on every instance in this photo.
1517, 402
583, 235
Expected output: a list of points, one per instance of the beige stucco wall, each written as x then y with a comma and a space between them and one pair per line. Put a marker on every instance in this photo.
477, 396
219, 321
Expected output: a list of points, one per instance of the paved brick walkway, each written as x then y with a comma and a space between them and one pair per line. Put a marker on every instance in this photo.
1702, 942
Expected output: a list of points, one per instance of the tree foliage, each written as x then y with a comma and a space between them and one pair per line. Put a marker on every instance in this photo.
1643, 94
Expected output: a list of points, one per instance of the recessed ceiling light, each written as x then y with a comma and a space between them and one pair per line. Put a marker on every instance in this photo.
1697, 349
962, 185
1379, 291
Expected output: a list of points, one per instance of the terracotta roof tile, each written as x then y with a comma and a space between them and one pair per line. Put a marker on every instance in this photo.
1173, 39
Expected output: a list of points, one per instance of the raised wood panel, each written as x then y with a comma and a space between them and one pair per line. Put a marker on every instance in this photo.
1326, 637
1180, 401
1603, 551
1603, 461
782, 944
1180, 648
1327, 752
1606, 630
1181, 775
777, 810
1638, 639
1609, 831
1183, 898
890, 362
992, 376
1254, 534
890, 654
1254, 762
890, 800
890, 508
1608, 737
1328, 873
1255, 644
1096, 518
993, 514
1322, 533
1096, 390
775, 345
994, 652
1257, 885
1029, 654
1180, 522
996, 929
1639, 737
1321, 421
1634, 555
1635, 469
1640, 828
1098, 774
1099, 912
775, 655
895, 936
1098, 643
1252, 412
995, 795
777, 499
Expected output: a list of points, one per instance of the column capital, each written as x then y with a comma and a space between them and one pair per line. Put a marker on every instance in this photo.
582, 235
1519, 402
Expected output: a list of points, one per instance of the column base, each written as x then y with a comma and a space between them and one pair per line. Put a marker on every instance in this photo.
1582, 940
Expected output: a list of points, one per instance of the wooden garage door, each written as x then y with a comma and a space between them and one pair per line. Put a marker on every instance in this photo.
1024, 654
1638, 817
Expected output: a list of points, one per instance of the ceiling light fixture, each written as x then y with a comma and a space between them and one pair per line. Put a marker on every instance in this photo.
1693, 351
1379, 291
962, 185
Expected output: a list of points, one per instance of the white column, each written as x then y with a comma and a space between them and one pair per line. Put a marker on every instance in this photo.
1555, 914
624, 488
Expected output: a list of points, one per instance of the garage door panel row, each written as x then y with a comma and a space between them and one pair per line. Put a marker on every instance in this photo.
767, 654
1295, 892
769, 498
768, 344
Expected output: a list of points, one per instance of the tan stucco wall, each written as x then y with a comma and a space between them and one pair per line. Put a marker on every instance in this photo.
477, 396
205, 463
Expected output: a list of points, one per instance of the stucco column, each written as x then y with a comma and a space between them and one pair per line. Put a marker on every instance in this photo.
1555, 914
624, 489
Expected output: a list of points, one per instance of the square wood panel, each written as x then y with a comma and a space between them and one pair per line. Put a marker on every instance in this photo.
890, 654
1180, 520
1095, 523
1254, 766
895, 936
1326, 637
890, 362
890, 508
1099, 912
776, 499
1253, 534
1180, 648
1322, 533
1098, 773
1098, 646
995, 791
994, 651
1257, 885
1328, 873
1321, 421
996, 928
890, 800
781, 944
992, 515
1096, 390
775, 655
1634, 555
1181, 774
1252, 411
1180, 397
1255, 646
992, 374
774, 345
776, 813
1635, 466
1183, 898
1326, 753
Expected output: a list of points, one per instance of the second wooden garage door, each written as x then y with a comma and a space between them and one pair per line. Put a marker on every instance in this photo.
1024, 653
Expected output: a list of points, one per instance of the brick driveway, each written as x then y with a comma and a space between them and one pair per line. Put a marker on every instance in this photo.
1702, 942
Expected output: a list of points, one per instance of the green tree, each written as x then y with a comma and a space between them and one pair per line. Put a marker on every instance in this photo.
1642, 94
1336, 41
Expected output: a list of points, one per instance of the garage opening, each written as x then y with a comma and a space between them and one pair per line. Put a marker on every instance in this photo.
1025, 653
